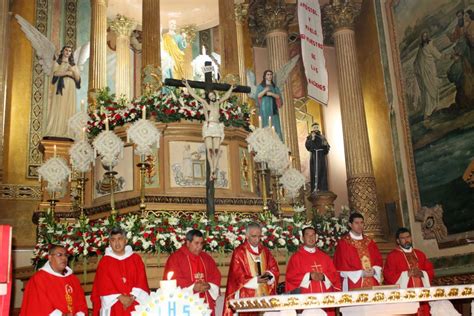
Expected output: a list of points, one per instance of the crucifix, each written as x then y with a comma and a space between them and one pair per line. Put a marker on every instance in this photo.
208, 86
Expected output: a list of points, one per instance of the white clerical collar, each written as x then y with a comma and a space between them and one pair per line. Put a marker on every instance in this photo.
406, 250
47, 268
128, 252
310, 250
254, 249
354, 236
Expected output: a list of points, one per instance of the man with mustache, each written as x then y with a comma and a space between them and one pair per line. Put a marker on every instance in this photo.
408, 267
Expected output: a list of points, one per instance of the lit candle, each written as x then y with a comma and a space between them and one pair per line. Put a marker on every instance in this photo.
83, 133
168, 285
270, 121
106, 123
144, 112
260, 122
54, 151
83, 108
273, 130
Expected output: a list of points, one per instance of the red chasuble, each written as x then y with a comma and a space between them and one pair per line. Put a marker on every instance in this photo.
354, 255
115, 276
243, 267
188, 269
302, 262
399, 261
46, 292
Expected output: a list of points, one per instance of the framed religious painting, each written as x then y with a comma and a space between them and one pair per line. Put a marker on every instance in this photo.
431, 44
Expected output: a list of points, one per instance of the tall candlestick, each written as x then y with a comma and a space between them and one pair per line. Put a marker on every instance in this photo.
106, 123
54, 151
83, 133
83, 108
260, 122
144, 112
270, 121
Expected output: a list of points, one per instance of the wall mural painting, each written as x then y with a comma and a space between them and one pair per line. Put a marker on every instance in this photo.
188, 165
435, 40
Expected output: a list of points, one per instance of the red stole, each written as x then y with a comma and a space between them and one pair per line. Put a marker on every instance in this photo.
412, 261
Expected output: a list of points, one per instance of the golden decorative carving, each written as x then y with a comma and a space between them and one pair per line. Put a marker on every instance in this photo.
190, 30
122, 25
151, 79
274, 15
341, 14
20, 192
241, 12
432, 226
363, 199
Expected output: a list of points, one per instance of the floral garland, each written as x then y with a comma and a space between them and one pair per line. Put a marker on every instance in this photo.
156, 234
166, 106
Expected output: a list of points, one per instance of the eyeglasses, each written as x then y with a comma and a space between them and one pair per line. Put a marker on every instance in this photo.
60, 255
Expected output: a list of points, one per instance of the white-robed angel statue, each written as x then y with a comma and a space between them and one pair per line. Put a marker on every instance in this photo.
267, 94
64, 71
212, 128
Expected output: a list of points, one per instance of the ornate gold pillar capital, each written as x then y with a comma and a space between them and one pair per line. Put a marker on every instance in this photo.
241, 11
122, 25
341, 14
272, 15
190, 30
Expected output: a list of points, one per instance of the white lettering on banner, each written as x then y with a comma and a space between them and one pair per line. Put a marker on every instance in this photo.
311, 33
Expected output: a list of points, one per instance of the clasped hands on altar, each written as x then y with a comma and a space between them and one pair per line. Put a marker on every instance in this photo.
264, 278
126, 300
415, 272
201, 286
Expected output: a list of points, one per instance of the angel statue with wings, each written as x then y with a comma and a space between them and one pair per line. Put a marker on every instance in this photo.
64, 71
268, 96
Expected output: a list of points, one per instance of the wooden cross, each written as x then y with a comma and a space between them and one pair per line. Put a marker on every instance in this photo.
208, 86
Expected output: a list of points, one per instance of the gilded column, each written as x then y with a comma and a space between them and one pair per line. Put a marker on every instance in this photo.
4, 21
360, 174
241, 11
98, 50
274, 19
123, 27
227, 39
151, 48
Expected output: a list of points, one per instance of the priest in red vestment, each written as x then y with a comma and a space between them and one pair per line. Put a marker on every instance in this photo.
54, 290
253, 271
357, 257
192, 268
120, 281
310, 270
408, 267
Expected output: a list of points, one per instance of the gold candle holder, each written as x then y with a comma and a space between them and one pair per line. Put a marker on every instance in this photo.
52, 203
81, 187
277, 192
143, 165
111, 176
261, 171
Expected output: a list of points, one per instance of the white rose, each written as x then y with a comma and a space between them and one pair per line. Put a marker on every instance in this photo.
281, 241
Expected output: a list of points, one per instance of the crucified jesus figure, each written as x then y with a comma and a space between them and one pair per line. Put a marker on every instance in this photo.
212, 129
